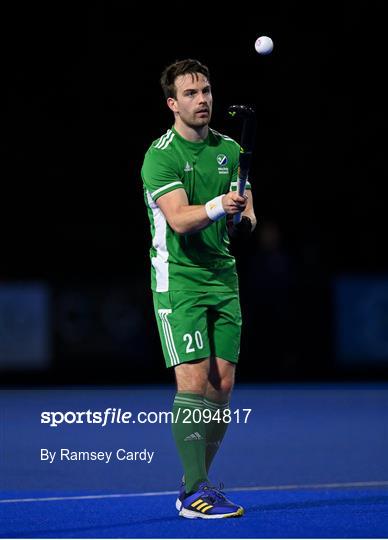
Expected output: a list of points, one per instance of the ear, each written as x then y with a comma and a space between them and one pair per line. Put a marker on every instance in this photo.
171, 103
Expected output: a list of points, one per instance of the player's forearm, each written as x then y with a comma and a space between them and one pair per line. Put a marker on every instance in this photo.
252, 217
190, 219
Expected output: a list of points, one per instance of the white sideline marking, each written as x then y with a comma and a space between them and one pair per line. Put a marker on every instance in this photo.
158, 493
383, 483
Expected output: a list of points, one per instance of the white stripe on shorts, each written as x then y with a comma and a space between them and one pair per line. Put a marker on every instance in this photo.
174, 358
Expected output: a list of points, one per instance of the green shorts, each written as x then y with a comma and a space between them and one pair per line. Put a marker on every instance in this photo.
196, 325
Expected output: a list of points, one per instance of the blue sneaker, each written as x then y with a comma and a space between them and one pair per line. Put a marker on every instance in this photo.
181, 496
209, 503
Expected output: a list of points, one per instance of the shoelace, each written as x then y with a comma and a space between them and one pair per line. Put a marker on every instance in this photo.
215, 493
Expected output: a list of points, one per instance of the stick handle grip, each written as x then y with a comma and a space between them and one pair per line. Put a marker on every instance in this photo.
241, 181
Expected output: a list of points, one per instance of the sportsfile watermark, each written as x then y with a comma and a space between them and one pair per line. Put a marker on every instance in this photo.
118, 416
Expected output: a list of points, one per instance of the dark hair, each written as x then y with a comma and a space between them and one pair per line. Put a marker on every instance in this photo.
180, 67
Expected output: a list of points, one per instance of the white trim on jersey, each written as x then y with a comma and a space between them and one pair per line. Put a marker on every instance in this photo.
160, 262
165, 140
162, 139
168, 336
166, 187
224, 136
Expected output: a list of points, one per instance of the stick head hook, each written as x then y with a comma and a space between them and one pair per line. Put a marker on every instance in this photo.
241, 111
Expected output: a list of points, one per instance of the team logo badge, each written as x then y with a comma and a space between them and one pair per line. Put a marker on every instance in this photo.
222, 160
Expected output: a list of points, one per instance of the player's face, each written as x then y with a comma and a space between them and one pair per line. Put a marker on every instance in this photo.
194, 99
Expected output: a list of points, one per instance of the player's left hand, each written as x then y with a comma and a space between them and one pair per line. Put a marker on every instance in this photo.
239, 230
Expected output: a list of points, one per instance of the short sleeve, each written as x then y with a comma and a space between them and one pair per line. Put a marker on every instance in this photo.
159, 173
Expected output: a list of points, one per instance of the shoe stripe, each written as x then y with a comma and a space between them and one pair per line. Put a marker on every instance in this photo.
206, 508
202, 505
196, 503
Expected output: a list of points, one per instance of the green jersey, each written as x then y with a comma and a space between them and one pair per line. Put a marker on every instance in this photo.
204, 170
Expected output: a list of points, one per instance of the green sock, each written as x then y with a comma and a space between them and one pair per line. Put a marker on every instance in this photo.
215, 430
190, 438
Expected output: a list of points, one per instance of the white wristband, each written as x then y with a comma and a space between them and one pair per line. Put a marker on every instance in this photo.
214, 208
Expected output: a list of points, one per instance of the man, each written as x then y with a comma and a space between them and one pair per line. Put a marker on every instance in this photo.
190, 179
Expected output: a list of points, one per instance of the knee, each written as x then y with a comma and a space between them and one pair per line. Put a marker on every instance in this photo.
196, 385
226, 386
222, 386
192, 377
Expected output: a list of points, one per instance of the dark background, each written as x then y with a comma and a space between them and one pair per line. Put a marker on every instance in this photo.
81, 105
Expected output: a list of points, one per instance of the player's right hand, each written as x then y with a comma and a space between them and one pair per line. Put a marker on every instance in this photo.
233, 203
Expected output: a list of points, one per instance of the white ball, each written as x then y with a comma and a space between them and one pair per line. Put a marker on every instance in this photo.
264, 45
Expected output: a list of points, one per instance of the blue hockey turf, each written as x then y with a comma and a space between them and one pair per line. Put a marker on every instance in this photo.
310, 462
